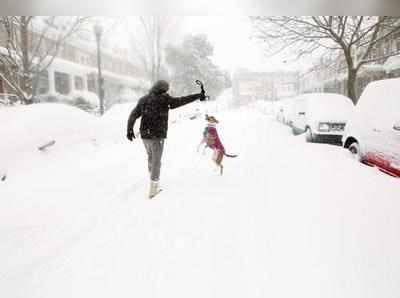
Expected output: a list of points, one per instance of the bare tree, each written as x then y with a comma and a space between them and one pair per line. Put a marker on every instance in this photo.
31, 45
149, 44
355, 37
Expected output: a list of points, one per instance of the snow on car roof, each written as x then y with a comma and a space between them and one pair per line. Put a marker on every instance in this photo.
380, 102
327, 106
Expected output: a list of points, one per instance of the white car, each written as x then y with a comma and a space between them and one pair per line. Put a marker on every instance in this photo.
322, 116
373, 133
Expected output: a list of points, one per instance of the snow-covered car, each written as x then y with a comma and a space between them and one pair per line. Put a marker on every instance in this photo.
322, 116
373, 133
8, 99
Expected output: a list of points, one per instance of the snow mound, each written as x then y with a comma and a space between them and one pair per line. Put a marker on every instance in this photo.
129, 95
114, 122
88, 96
25, 128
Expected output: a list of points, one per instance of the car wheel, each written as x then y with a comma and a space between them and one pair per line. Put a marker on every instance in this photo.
309, 135
355, 151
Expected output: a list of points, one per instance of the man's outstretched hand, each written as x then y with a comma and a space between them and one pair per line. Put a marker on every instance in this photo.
130, 135
202, 95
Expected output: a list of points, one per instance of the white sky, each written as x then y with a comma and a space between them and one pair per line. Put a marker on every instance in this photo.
231, 39
233, 46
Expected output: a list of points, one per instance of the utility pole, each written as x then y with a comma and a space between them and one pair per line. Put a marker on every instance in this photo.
98, 30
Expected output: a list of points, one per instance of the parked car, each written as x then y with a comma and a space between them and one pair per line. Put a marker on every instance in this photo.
373, 133
8, 99
322, 116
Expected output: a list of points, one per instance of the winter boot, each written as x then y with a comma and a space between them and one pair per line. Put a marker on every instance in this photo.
154, 189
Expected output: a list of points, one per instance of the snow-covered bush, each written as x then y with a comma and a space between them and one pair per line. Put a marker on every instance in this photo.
85, 100
128, 95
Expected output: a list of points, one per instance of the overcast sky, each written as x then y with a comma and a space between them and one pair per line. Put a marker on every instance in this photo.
233, 46
231, 37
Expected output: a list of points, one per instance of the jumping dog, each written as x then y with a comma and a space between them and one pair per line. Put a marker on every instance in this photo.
212, 141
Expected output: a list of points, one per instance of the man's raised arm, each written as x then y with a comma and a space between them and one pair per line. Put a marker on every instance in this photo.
176, 102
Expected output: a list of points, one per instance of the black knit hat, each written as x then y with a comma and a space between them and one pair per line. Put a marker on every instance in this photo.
159, 87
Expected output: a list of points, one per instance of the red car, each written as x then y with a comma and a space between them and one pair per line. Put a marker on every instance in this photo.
372, 134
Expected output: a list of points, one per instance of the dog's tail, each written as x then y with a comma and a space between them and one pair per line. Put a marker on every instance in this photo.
229, 155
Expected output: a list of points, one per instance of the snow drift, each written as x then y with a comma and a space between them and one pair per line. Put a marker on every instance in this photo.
287, 219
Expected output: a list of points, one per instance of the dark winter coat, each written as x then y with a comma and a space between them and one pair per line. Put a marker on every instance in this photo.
154, 108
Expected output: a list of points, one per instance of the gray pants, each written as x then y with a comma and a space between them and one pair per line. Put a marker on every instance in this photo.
154, 149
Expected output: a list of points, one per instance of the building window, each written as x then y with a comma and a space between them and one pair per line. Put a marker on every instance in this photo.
78, 83
92, 61
62, 82
43, 82
385, 50
91, 83
84, 59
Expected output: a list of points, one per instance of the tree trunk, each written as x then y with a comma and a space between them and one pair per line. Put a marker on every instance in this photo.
351, 84
26, 79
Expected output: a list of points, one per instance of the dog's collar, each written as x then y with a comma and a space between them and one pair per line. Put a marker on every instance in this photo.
211, 124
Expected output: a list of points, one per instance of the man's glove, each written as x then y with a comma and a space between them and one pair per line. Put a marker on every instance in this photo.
202, 95
130, 135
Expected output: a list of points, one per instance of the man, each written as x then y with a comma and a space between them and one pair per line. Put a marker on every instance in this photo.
154, 108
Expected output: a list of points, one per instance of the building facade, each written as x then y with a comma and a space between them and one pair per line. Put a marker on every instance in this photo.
330, 75
75, 71
270, 86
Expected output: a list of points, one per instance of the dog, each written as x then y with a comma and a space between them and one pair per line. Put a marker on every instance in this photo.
212, 141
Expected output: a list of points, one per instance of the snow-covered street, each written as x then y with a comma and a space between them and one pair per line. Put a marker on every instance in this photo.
287, 218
